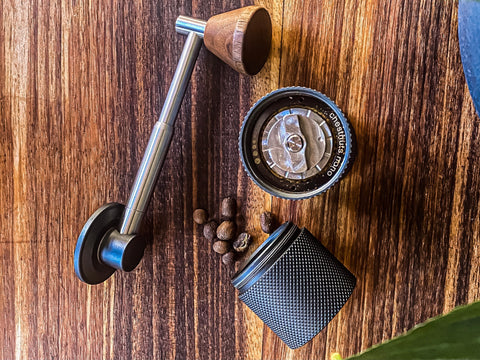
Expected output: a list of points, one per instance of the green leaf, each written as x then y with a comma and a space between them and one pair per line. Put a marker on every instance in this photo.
455, 335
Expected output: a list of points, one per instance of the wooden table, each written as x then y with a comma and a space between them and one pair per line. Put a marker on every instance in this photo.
82, 83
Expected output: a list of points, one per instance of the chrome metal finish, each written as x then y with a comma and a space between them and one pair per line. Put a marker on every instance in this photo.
186, 24
297, 143
294, 143
160, 138
121, 252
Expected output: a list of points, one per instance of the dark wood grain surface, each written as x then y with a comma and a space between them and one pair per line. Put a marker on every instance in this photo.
81, 85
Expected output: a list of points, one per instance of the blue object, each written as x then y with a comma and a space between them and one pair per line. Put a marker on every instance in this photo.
469, 38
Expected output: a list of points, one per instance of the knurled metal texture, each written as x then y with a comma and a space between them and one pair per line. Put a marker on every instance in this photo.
301, 292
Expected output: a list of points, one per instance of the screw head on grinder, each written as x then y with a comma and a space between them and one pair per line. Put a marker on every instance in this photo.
295, 143
101, 249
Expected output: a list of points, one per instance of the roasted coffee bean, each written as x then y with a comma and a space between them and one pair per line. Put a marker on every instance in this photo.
210, 230
229, 208
200, 216
221, 247
243, 242
226, 230
267, 222
228, 258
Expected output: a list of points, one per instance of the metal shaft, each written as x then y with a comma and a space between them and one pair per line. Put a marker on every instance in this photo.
163, 130
186, 24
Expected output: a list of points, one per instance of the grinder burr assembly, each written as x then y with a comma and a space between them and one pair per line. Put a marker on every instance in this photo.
109, 240
295, 143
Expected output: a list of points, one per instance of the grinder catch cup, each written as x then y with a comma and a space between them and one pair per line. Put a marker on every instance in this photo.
294, 284
109, 240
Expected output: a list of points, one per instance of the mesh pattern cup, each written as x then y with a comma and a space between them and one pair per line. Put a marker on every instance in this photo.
294, 284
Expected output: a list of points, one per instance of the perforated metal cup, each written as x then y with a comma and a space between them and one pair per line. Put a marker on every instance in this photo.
294, 284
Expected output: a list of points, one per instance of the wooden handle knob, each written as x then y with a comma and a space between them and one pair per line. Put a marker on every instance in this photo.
241, 38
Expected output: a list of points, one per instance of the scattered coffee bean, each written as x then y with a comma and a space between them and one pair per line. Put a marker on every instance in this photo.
267, 222
221, 247
200, 216
243, 242
228, 258
226, 230
229, 208
210, 230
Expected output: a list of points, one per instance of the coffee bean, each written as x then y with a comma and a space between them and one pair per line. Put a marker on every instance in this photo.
210, 230
229, 208
228, 258
226, 230
221, 247
200, 216
267, 222
243, 242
